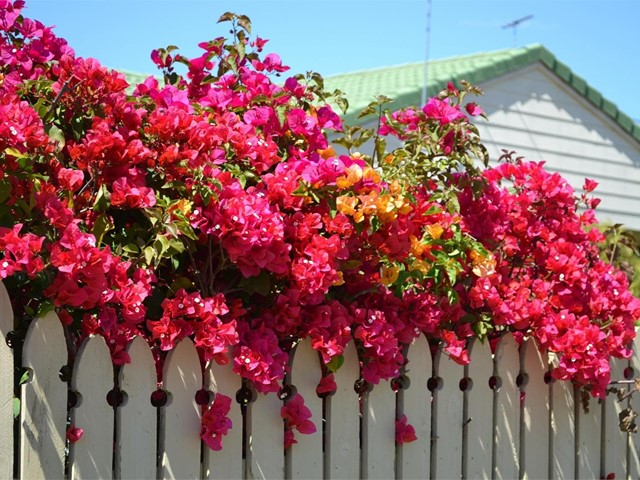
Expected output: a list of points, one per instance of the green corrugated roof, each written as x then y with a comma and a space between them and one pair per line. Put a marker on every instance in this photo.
404, 83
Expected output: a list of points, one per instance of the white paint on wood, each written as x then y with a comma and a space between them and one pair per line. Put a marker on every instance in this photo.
226, 463
266, 438
416, 400
44, 400
563, 427
378, 432
137, 419
6, 387
343, 424
589, 436
92, 455
538, 115
306, 460
507, 422
180, 430
448, 418
535, 435
479, 424
634, 438
616, 441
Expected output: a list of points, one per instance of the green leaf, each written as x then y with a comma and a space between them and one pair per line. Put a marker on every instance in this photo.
226, 17
25, 377
180, 282
260, 284
342, 103
102, 199
317, 78
161, 245
383, 99
368, 110
16, 407
244, 22
56, 135
335, 363
131, 248
5, 190
44, 307
102, 225
149, 254
380, 147
14, 152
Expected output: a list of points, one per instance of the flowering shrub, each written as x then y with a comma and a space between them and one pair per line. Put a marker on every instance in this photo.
214, 206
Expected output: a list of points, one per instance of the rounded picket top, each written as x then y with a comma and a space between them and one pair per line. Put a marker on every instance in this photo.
306, 455
507, 421
228, 462
6, 386
343, 420
448, 417
415, 458
180, 431
137, 418
44, 400
536, 411
91, 456
479, 422
634, 439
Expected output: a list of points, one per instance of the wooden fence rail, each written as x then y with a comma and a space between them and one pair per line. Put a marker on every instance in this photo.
525, 427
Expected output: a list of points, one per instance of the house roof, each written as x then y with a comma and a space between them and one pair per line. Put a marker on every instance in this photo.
404, 83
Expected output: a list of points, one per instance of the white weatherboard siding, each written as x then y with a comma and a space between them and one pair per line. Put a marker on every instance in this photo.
534, 113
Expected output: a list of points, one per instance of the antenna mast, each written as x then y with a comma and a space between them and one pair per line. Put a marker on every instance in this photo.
426, 54
514, 25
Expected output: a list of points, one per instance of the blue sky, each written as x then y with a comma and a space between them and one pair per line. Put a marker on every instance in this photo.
597, 39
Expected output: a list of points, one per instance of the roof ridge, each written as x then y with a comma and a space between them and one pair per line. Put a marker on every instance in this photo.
475, 68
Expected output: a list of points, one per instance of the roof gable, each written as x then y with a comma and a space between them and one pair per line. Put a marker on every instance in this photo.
404, 83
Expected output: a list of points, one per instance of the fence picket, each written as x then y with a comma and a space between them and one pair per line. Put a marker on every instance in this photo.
634, 438
535, 448
226, 463
305, 457
137, 419
616, 441
479, 422
6, 387
343, 421
378, 431
92, 455
448, 417
266, 438
415, 457
44, 400
179, 428
589, 438
563, 430
507, 422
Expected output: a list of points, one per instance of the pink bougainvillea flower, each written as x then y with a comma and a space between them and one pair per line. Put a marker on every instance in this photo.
215, 422
70, 178
327, 385
296, 415
473, 109
405, 433
589, 185
442, 111
74, 433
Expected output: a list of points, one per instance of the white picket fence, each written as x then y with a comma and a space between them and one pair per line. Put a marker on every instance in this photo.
526, 428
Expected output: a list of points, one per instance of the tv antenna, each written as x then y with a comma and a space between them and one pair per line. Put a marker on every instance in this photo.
514, 25
426, 55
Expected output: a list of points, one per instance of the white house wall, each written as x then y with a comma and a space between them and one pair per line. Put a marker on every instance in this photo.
534, 113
